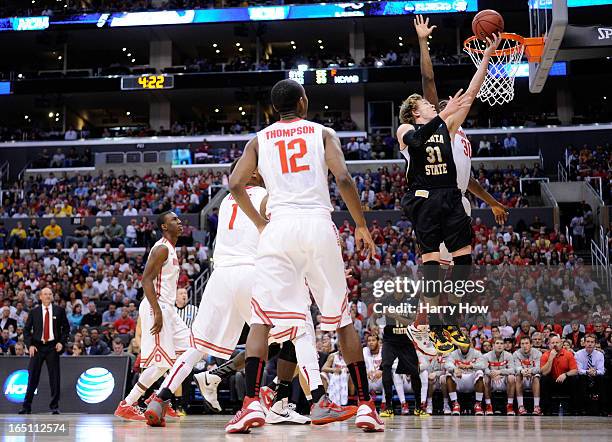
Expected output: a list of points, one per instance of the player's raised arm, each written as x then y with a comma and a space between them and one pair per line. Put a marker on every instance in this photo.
335, 162
414, 106
423, 31
155, 262
238, 180
500, 212
458, 118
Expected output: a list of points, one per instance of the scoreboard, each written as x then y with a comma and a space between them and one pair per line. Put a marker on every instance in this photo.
146, 82
309, 77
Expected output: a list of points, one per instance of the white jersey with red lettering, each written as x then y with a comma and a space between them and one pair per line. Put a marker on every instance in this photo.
166, 282
372, 361
292, 164
462, 154
161, 349
237, 236
301, 238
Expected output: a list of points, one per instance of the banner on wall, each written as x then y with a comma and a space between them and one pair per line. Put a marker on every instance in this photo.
89, 384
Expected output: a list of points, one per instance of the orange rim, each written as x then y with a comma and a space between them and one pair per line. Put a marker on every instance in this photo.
520, 41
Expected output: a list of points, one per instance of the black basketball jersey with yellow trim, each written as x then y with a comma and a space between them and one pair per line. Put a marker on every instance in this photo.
432, 165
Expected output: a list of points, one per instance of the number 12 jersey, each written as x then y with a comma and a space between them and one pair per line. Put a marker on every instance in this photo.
292, 164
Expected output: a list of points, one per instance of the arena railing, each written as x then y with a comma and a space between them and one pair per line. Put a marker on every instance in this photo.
549, 200
598, 189
600, 258
561, 172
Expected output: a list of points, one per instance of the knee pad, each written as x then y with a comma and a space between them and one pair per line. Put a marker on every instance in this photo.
287, 352
431, 272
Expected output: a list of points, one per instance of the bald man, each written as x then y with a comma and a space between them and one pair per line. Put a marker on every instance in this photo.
45, 334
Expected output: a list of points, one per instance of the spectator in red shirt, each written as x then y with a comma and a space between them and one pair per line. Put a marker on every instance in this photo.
125, 324
559, 371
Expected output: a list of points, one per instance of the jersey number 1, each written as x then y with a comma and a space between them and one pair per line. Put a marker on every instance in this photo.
292, 165
233, 218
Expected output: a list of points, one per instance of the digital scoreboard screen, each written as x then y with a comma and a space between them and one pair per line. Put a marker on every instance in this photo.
310, 77
146, 82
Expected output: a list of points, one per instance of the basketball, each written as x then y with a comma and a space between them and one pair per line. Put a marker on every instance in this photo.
486, 23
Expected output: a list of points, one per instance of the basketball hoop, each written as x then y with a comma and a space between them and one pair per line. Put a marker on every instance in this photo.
504, 64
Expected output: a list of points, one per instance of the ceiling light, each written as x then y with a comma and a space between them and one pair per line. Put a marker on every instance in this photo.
124, 49
59, 57
51, 114
294, 47
240, 49
319, 41
321, 47
26, 117
129, 54
237, 44
133, 60
57, 114
292, 42
240, 108
215, 45
401, 44
217, 110
217, 51
243, 113
326, 107
128, 113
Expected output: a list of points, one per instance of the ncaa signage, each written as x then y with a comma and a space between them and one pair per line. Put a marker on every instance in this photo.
89, 384
16, 385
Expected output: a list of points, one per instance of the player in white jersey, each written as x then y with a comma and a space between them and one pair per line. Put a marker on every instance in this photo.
462, 153
164, 334
225, 309
299, 242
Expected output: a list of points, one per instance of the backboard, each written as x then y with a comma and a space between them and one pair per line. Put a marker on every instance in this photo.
548, 19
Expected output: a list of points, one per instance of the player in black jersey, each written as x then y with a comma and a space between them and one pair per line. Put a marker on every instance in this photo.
398, 345
433, 201
465, 182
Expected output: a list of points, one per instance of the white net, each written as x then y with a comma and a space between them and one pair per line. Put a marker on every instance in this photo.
498, 86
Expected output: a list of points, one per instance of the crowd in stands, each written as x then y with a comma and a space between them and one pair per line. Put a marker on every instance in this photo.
536, 287
109, 194
383, 189
594, 164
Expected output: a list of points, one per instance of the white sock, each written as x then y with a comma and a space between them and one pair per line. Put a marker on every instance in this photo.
430, 402
536, 401
424, 385
510, 401
519, 400
146, 379
453, 396
134, 395
446, 401
488, 401
308, 360
398, 382
181, 369
478, 397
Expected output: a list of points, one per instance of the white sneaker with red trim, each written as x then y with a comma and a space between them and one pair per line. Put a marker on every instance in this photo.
367, 418
250, 415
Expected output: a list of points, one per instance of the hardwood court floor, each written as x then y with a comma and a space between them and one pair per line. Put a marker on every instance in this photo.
106, 428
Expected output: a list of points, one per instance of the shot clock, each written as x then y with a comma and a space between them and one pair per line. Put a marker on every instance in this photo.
146, 82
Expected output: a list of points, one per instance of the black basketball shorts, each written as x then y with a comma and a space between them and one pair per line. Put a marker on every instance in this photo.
437, 216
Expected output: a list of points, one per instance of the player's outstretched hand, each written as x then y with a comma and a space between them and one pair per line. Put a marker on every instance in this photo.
492, 44
422, 27
500, 213
363, 239
459, 101
157, 321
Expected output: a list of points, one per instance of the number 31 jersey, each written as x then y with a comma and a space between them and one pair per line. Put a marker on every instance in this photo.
237, 236
292, 164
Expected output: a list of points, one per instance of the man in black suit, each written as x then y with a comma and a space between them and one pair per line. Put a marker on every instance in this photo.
6, 320
45, 333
